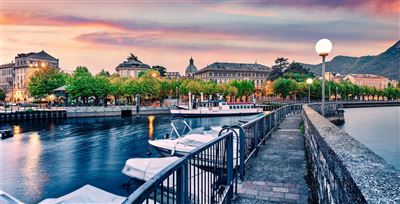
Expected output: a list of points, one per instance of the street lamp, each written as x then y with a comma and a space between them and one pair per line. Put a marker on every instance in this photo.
309, 82
323, 47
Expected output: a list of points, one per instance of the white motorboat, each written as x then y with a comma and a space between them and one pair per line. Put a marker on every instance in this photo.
219, 108
6, 198
145, 168
86, 194
180, 146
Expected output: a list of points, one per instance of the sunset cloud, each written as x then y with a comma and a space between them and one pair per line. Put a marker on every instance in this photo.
233, 31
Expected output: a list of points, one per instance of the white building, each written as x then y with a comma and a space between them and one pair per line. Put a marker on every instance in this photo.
222, 72
131, 68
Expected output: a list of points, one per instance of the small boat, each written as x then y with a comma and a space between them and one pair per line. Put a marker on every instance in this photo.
6, 134
145, 168
180, 146
6, 198
86, 194
218, 108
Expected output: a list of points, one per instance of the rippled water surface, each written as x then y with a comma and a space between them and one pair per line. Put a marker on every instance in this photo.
52, 158
378, 129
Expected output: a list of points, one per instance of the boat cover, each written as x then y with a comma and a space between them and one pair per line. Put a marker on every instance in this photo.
182, 144
86, 194
146, 168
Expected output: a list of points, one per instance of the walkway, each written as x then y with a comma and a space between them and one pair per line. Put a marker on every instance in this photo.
277, 174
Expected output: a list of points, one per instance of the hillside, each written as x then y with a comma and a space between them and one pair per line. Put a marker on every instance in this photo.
385, 64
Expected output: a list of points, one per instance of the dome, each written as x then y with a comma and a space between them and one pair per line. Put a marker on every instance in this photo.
133, 64
191, 68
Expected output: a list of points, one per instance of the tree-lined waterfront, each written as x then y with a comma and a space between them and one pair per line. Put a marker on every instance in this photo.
287, 81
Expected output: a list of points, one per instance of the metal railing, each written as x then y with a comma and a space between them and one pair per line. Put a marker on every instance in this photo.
210, 173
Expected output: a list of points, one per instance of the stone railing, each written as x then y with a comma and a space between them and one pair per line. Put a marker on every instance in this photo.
341, 169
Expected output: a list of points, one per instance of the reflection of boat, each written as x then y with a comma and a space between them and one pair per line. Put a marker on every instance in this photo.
218, 108
8, 199
6, 134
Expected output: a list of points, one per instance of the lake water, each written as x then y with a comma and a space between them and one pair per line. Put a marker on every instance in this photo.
378, 129
52, 158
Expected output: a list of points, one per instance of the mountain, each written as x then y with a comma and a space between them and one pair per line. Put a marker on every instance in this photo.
385, 64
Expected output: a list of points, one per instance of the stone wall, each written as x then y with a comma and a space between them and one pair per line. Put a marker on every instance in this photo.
342, 170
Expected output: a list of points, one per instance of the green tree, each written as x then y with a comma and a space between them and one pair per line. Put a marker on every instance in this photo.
103, 73
298, 68
285, 87
45, 80
116, 87
2, 95
102, 88
244, 87
81, 85
281, 64
160, 70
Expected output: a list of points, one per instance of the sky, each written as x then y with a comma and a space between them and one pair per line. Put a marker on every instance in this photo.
100, 34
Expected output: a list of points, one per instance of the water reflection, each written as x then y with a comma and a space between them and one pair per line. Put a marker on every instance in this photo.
52, 158
33, 181
151, 126
17, 129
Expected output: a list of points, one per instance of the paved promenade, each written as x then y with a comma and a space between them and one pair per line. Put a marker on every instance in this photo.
277, 174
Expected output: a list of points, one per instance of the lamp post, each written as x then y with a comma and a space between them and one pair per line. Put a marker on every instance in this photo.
329, 86
309, 82
337, 88
323, 47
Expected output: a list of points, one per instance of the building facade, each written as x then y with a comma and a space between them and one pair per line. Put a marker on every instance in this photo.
222, 72
172, 75
7, 78
17, 74
131, 68
370, 80
191, 69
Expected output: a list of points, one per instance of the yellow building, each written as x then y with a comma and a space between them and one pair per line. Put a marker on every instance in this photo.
15, 76
370, 80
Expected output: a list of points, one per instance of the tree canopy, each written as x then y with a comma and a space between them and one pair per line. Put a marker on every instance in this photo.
2, 95
45, 80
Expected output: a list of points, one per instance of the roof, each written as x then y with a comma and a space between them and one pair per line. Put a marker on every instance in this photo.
132, 64
227, 66
38, 55
61, 88
191, 68
8, 65
367, 76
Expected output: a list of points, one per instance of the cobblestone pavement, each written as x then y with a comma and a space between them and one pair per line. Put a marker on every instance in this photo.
277, 174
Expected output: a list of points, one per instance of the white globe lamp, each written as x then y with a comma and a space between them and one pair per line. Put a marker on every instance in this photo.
323, 47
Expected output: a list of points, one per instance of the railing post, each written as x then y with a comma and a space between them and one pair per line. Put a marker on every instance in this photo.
270, 123
230, 167
182, 183
242, 150
264, 128
255, 134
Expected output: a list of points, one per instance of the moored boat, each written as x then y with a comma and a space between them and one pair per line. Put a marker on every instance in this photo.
218, 108
6, 134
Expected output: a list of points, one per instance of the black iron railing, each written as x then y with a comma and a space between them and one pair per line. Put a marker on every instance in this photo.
210, 173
